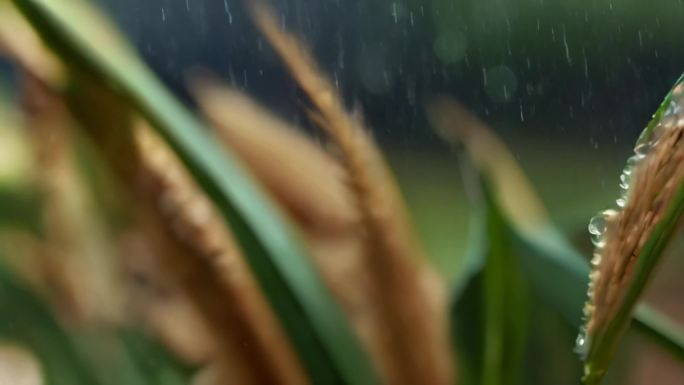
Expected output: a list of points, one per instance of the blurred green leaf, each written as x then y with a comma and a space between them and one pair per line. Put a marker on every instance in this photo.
20, 208
151, 360
128, 356
491, 317
307, 310
25, 319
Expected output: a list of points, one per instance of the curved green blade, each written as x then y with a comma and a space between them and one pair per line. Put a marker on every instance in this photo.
303, 303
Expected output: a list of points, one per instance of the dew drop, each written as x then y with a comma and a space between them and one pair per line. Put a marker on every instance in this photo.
596, 260
642, 149
594, 275
621, 202
673, 108
582, 344
660, 130
625, 180
632, 161
597, 226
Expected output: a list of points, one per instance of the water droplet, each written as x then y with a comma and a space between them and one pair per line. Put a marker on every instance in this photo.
680, 121
625, 180
642, 149
594, 275
677, 98
597, 226
672, 108
658, 131
596, 260
621, 202
583, 343
632, 161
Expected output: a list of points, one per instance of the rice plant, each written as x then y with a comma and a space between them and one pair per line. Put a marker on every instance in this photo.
144, 242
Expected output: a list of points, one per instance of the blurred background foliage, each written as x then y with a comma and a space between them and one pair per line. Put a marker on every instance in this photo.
567, 83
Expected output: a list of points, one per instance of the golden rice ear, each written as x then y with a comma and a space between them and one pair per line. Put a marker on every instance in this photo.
163, 307
415, 343
304, 179
175, 320
235, 304
630, 237
80, 271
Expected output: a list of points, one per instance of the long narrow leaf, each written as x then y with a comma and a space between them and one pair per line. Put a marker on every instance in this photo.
503, 308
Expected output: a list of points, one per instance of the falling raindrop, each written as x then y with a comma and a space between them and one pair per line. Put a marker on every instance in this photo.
227, 10
567, 48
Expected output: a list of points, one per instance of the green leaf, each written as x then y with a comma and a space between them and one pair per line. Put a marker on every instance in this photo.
506, 307
127, 356
151, 360
491, 312
25, 319
20, 208
313, 320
